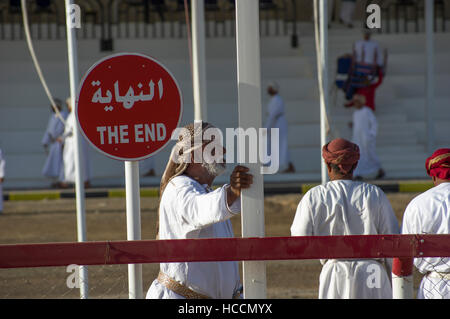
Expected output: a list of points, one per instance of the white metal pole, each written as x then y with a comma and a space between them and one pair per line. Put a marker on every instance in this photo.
402, 287
198, 57
249, 91
429, 25
132, 190
323, 17
79, 180
402, 278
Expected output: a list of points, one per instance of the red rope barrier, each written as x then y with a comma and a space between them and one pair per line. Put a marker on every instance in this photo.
270, 248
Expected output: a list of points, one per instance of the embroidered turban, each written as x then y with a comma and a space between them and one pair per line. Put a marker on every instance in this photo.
438, 164
341, 153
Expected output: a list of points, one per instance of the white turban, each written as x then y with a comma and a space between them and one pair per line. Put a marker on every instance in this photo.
274, 85
190, 138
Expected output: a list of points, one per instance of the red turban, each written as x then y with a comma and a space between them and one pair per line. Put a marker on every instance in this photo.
438, 164
342, 153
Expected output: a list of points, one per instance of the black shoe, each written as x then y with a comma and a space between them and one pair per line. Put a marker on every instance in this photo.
381, 174
290, 169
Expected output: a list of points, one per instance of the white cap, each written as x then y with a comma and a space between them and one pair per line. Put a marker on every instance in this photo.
274, 85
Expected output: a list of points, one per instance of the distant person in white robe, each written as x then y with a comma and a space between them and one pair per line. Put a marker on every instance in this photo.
190, 209
346, 12
429, 213
331, 9
365, 130
69, 151
346, 207
147, 167
51, 141
2, 178
368, 51
276, 119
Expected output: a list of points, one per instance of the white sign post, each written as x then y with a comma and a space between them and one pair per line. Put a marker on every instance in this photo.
198, 57
429, 34
249, 90
323, 18
132, 190
79, 181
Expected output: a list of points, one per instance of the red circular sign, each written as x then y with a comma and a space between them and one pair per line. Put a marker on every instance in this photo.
128, 106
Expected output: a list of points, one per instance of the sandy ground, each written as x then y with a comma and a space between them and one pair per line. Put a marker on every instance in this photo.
55, 221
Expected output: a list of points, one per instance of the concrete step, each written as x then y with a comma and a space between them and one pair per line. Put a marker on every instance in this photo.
271, 67
382, 118
341, 42
416, 108
402, 154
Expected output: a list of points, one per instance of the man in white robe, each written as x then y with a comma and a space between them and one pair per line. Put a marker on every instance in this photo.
190, 209
365, 130
429, 213
69, 151
51, 141
276, 119
347, 207
2, 178
368, 51
347, 11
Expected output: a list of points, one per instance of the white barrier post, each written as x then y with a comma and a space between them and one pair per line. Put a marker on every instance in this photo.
249, 91
199, 60
79, 180
132, 190
323, 18
402, 278
429, 26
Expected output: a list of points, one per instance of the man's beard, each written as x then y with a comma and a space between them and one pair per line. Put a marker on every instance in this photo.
215, 169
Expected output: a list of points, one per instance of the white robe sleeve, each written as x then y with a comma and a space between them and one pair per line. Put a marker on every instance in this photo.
68, 130
372, 128
411, 220
202, 210
275, 110
303, 221
2, 165
47, 138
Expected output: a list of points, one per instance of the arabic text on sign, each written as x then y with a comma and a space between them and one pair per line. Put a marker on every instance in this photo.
130, 97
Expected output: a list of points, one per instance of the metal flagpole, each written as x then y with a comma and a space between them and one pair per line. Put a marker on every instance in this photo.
429, 25
198, 57
323, 18
249, 91
79, 180
132, 190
